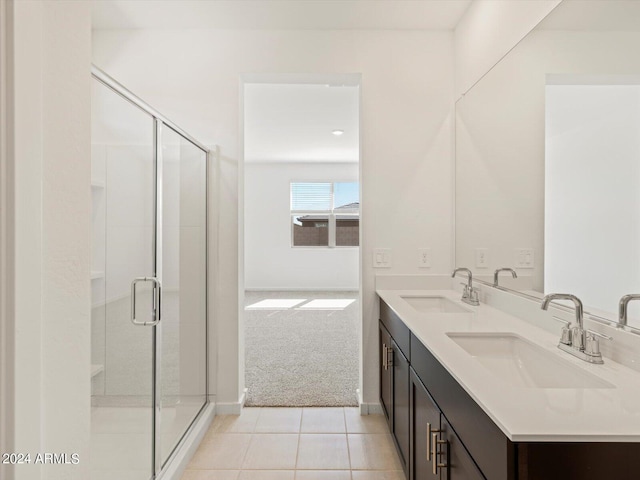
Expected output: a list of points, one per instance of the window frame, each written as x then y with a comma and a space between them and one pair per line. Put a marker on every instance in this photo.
331, 216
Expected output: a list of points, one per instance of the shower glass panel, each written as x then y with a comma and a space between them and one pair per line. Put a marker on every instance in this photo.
123, 193
149, 285
184, 260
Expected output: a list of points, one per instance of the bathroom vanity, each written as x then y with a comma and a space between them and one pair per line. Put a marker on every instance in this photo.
475, 393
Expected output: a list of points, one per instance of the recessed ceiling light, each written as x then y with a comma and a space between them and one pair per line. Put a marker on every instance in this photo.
337, 133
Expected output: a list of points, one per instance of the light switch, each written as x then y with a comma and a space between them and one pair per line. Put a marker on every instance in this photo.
382, 258
523, 257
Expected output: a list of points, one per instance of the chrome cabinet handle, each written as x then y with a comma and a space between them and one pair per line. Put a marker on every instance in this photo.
384, 357
435, 453
157, 300
429, 433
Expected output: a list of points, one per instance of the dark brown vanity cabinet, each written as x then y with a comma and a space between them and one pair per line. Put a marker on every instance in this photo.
433, 419
456, 463
386, 386
437, 453
401, 403
395, 344
394, 392
424, 423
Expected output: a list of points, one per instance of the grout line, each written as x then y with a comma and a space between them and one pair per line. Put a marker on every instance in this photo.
346, 433
246, 452
295, 465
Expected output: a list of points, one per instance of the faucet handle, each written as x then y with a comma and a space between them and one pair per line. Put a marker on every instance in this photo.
473, 294
566, 337
598, 334
465, 292
592, 343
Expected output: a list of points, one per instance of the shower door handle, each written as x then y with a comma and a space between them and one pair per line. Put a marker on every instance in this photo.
157, 298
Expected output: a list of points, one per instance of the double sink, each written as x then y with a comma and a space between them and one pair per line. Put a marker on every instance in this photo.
508, 356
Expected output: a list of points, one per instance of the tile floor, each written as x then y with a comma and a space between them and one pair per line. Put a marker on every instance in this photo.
316, 443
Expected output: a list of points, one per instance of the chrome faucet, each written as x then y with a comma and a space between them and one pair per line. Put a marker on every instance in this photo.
495, 274
469, 294
577, 341
623, 307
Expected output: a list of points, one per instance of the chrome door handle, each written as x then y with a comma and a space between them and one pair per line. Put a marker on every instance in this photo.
430, 432
435, 453
157, 299
384, 357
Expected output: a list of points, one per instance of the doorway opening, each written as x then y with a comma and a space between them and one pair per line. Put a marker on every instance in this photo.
302, 309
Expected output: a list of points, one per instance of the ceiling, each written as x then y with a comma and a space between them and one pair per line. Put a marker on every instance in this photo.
293, 123
278, 14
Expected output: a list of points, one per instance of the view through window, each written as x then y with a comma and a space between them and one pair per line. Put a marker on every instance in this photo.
325, 214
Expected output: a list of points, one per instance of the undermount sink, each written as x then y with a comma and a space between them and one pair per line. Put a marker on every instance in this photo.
522, 363
433, 304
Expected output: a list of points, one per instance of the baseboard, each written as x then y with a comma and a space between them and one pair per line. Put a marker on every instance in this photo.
368, 408
232, 408
189, 445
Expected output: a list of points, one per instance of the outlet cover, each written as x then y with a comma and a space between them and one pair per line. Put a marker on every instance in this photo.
482, 258
424, 258
382, 258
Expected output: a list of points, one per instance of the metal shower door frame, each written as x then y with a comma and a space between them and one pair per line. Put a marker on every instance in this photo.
160, 121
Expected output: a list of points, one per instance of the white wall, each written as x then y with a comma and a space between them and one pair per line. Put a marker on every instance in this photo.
50, 157
406, 131
270, 261
592, 200
488, 30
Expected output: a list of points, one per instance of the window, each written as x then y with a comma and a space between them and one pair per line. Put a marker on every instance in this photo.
325, 214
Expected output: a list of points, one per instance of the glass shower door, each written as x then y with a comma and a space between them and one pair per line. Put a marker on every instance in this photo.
149, 285
124, 246
183, 380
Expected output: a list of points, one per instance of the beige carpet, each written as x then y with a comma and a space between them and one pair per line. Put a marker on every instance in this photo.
301, 348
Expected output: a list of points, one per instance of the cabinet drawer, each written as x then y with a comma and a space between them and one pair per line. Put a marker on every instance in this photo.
491, 450
396, 327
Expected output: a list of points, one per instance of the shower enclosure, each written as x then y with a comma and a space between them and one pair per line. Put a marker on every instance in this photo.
149, 284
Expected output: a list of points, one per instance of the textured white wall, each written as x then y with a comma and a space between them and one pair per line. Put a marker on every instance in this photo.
270, 261
51, 140
406, 132
488, 30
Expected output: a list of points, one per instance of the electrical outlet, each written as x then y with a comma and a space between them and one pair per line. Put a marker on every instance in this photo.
424, 258
482, 258
523, 257
382, 258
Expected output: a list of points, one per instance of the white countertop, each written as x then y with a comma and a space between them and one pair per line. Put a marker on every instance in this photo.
527, 414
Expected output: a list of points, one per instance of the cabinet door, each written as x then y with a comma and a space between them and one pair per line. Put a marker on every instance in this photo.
424, 422
458, 463
400, 379
386, 397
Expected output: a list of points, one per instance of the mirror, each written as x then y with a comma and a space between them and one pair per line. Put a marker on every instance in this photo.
548, 160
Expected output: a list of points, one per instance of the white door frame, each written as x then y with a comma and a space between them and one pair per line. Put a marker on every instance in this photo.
289, 78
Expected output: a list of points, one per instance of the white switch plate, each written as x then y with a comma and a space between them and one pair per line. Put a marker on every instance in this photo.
424, 258
482, 258
523, 257
382, 258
